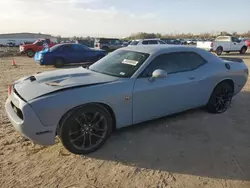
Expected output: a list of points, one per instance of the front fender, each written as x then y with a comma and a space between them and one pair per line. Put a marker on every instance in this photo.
51, 108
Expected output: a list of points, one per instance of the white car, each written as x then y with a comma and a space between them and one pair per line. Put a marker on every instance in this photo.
146, 42
224, 44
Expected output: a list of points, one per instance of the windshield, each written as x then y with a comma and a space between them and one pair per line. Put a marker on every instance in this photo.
121, 63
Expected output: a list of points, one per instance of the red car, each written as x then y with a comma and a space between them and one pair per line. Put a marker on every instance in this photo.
247, 41
38, 45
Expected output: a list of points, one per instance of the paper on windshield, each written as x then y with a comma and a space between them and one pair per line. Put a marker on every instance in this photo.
130, 62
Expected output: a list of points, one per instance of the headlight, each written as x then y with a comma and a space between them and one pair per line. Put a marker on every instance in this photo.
40, 56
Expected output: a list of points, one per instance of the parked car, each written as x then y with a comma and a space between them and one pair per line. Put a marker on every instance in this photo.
247, 42
128, 86
108, 44
11, 43
68, 53
191, 41
224, 44
146, 42
172, 41
38, 45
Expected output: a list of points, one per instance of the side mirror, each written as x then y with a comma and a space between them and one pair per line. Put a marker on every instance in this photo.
158, 73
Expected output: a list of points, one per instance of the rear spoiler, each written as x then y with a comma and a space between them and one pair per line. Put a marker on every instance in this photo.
232, 59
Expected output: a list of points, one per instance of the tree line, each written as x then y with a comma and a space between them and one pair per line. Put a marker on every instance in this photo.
143, 35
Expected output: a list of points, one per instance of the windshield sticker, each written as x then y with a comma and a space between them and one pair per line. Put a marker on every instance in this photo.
129, 62
122, 73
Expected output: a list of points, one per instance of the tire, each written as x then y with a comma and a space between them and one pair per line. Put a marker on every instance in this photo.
30, 53
220, 99
59, 62
77, 133
219, 50
243, 50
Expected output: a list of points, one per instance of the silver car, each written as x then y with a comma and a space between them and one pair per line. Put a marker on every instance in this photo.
146, 42
131, 85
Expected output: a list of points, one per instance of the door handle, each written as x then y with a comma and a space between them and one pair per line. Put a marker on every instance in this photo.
191, 78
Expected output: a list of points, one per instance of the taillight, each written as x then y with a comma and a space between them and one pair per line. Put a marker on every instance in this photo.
9, 90
212, 44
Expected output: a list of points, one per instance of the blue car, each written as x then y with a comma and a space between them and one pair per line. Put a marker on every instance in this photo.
62, 54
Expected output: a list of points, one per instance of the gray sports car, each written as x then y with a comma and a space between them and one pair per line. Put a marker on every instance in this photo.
131, 85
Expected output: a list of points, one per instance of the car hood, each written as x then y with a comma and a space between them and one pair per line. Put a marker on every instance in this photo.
39, 84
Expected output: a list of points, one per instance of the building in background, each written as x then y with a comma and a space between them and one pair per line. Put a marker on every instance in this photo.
19, 38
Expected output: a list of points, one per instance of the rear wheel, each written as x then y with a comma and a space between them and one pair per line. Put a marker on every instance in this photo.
243, 50
30, 53
85, 129
219, 51
221, 98
59, 62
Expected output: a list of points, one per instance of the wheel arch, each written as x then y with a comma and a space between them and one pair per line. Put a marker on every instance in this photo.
226, 80
220, 47
106, 106
244, 47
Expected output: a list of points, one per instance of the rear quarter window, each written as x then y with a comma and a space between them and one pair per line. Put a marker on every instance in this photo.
134, 43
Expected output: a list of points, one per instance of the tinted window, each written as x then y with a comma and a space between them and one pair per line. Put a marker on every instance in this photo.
175, 62
67, 48
40, 43
78, 47
134, 42
152, 42
161, 42
145, 42
107, 40
235, 39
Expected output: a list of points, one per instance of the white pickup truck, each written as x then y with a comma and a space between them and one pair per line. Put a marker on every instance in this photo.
224, 44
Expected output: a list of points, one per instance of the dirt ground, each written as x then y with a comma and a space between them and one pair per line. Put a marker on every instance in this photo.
192, 149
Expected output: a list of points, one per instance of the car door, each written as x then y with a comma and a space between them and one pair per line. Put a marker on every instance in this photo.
177, 92
82, 53
235, 44
69, 54
39, 46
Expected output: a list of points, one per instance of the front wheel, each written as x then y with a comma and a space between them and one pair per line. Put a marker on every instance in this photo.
220, 99
30, 53
219, 51
243, 50
58, 63
85, 129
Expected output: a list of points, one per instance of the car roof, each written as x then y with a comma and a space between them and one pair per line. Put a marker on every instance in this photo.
145, 39
150, 49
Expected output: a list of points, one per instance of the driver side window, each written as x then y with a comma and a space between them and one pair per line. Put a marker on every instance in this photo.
174, 63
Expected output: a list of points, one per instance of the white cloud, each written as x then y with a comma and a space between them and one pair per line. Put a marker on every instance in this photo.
64, 18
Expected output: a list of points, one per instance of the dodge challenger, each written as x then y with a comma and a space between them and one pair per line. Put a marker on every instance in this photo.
83, 106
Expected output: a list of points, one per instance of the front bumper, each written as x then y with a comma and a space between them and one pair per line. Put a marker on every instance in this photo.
28, 124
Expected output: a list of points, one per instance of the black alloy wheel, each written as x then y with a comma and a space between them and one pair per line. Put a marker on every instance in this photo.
86, 129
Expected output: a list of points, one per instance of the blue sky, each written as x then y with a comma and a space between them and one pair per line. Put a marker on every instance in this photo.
120, 18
